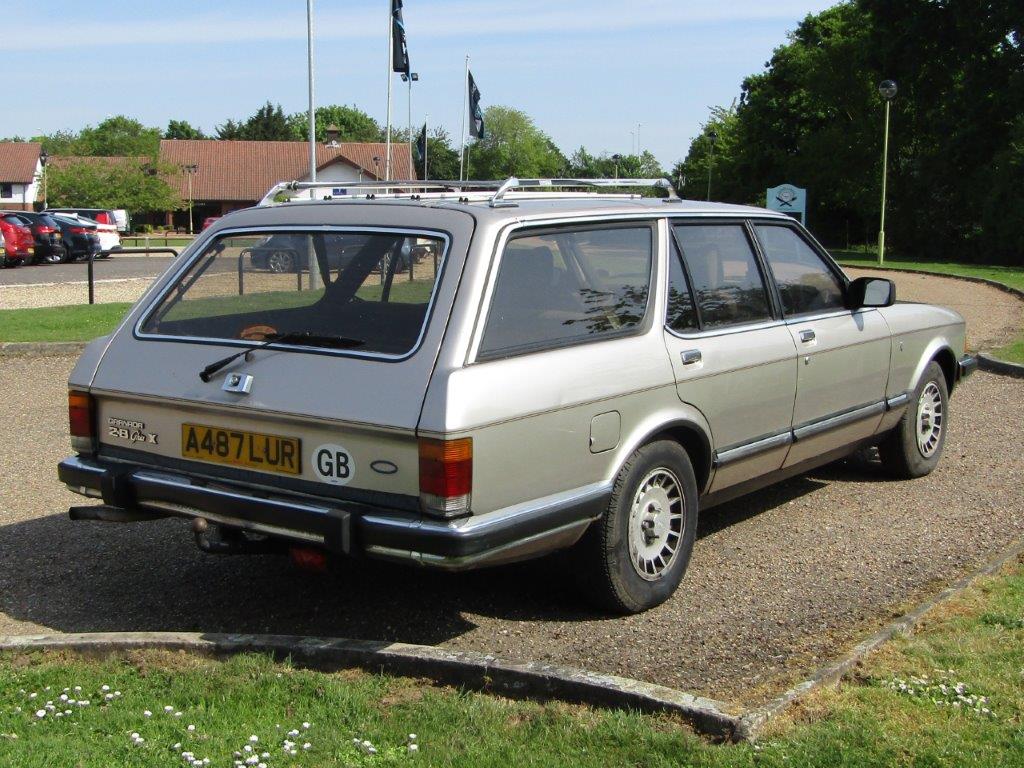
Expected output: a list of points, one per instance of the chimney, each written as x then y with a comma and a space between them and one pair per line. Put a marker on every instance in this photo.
332, 132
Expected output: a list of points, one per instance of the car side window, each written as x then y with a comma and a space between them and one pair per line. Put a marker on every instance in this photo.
726, 280
680, 312
805, 282
568, 286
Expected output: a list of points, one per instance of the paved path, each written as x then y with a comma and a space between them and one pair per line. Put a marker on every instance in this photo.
779, 581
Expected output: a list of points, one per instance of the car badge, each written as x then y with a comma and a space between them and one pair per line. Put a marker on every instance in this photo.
239, 383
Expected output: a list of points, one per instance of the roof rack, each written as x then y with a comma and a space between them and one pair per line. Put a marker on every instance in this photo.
442, 189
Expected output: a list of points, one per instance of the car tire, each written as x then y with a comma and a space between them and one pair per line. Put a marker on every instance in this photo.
635, 555
281, 261
67, 256
914, 447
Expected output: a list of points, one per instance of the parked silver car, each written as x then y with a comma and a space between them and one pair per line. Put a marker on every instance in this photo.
566, 370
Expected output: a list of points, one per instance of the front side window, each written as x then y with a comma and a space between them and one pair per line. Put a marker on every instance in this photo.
806, 284
569, 286
681, 315
726, 280
372, 290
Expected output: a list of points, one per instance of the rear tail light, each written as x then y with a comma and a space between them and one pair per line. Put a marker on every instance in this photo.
42, 229
78, 230
82, 421
446, 476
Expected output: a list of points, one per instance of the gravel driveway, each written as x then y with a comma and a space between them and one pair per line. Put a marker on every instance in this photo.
779, 581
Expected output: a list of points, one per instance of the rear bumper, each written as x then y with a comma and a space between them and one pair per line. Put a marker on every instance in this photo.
967, 365
343, 527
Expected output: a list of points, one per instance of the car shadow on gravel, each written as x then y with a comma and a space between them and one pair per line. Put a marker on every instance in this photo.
102, 577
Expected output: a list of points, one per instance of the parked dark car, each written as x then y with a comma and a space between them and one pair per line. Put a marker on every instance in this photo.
48, 239
288, 253
79, 239
19, 247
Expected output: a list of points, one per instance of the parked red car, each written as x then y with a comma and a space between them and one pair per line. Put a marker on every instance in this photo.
19, 244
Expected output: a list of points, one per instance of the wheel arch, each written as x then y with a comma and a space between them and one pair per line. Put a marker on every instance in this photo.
693, 434
947, 362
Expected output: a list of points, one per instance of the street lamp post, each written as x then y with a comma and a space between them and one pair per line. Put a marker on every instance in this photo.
887, 90
616, 157
712, 137
190, 170
44, 157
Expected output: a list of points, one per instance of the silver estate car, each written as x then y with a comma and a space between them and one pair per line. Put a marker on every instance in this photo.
542, 370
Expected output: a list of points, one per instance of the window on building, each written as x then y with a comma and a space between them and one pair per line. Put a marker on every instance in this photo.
6, 190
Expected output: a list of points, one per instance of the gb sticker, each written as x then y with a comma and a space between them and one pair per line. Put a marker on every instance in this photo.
333, 464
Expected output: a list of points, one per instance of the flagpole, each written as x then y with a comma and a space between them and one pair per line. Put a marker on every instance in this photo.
410, 117
465, 110
312, 109
391, 66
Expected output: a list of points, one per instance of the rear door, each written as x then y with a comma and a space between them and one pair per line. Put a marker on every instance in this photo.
733, 358
844, 355
315, 415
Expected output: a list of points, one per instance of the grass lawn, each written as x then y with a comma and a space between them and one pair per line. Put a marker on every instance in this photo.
73, 323
952, 695
1011, 276
156, 241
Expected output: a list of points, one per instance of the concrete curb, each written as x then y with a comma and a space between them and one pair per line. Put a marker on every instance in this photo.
41, 348
467, 669
994, 365
752, 723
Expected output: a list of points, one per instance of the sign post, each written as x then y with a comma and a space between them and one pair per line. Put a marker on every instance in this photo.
786, 198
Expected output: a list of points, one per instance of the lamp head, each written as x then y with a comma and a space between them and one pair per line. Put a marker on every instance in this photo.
887, 89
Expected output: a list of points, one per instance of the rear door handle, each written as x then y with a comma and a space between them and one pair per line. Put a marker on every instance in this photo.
807, 336
691, 356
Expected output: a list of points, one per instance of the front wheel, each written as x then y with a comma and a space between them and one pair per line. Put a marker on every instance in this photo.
914, 447
634, 557
281, 261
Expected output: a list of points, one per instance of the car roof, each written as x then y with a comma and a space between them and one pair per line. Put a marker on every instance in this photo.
528, 206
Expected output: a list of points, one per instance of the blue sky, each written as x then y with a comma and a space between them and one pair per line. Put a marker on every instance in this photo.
586, 70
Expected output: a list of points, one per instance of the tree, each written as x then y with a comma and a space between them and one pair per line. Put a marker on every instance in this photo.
583, 165
353, 124
118, 135
513, 146
182, 129
267, 124
717, 158
814, 118
137, 186
442, 158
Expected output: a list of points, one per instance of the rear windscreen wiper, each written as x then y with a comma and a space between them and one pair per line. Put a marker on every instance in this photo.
296, 337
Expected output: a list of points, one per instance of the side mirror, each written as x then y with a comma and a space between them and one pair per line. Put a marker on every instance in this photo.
871, 292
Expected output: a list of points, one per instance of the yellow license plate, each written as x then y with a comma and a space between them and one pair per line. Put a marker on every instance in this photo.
239, 448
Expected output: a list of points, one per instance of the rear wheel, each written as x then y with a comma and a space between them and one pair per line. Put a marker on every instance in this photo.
914, 447
634, 557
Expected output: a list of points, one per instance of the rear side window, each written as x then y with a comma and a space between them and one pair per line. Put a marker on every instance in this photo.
806, 284
568, 286
373, 290
727, 282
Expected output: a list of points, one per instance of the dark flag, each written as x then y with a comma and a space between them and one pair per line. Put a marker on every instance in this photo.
476, 125
421, 144
400, 48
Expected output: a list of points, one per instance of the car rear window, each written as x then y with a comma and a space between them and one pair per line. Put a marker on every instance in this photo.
369, 292
568, 286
